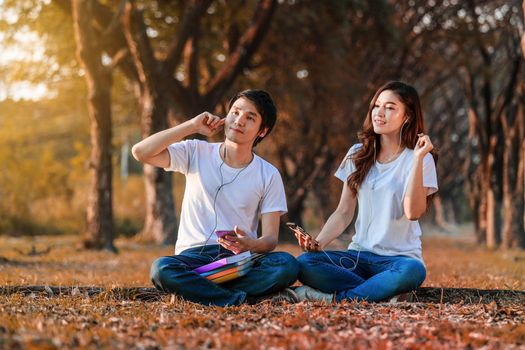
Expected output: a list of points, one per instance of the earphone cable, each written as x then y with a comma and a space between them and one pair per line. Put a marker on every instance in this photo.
221, 186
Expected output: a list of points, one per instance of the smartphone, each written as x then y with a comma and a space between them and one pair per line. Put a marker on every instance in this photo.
222, 233
298, 229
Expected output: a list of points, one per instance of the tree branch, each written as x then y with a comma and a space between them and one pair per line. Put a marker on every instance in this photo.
140, 46
191, 60
113, 40
191, 19
506, 98
239, 59
114, 24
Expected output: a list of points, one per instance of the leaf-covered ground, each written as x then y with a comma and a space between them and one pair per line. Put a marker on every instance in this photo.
36, 321
73, 322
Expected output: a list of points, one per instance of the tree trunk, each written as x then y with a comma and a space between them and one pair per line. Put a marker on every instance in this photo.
451, 212
512, 127
294, 215
512, 182
522, 184
474, 193
439, 217
521, 163
480, 206
519, 190
296, 208
323, 199
508, 208
161, 223
100, 230
487, 207
492, 240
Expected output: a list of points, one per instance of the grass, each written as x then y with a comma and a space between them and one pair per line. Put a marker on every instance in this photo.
451, 262
39, 322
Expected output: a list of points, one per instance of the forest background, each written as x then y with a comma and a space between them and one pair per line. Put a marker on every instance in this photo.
82, 81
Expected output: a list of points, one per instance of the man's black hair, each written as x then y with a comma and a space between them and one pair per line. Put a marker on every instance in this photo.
264, 105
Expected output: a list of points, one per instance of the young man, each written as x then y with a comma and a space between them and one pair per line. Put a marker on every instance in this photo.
228, 187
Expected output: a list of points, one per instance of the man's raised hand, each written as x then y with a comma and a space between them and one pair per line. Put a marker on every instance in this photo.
208, 124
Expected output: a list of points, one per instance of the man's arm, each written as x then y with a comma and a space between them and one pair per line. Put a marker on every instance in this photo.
270, 233
153, 149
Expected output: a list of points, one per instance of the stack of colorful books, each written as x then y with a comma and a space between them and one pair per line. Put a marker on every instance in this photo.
229, 268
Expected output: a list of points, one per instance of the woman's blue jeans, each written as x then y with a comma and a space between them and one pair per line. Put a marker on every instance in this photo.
360, 275
174, 274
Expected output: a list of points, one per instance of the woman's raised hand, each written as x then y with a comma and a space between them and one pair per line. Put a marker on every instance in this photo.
423, 146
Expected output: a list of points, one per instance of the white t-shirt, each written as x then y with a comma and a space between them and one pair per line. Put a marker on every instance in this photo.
256, 189
382, 226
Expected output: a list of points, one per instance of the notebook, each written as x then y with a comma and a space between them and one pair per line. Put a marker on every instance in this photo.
229, 268
223, 262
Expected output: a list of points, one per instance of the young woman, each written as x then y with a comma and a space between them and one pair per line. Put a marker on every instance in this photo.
391, 174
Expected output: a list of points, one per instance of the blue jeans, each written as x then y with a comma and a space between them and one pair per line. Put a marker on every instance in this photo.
360, 275
174, 274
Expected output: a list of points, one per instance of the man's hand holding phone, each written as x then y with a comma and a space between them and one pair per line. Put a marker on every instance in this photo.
307, 242
225, 233
235, 240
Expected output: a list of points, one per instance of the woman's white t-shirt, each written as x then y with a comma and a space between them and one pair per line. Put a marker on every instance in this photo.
382, 226
245, 193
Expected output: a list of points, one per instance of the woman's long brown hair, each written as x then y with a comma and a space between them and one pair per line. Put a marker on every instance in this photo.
364, 157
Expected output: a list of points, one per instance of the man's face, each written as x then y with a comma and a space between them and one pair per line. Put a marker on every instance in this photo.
243, 122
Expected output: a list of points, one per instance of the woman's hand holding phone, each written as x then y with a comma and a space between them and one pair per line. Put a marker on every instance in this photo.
307, 242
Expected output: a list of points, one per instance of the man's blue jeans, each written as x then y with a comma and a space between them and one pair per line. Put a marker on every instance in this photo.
174, 274
360, 275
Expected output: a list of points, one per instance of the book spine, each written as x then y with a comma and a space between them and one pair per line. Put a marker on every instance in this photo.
231, 276
222, 273
211, 266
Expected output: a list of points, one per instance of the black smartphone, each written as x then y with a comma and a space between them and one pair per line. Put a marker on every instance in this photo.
298, 229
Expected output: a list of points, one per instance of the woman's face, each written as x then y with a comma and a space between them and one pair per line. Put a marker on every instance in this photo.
388, 113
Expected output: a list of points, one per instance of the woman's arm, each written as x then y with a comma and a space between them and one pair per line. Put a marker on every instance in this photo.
338, 221
415, 201
153, 149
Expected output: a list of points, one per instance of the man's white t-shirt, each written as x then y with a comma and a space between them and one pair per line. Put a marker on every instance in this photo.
382, 226
256, 189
